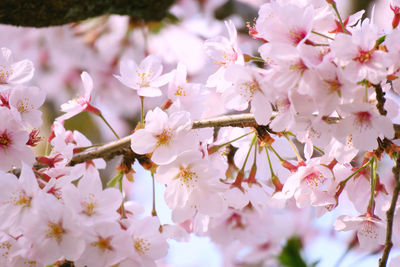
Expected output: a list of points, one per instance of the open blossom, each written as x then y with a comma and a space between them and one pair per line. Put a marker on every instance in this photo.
13, 139
224, 52
147, 243
362, 125
54, 232
164, 136
81, 103
16, 198
358, 55
103, 245
186, 96
247, 87
24, 104
191, 186
145, 78
91, 202
312, 184
280, 22
370, 231
12, 73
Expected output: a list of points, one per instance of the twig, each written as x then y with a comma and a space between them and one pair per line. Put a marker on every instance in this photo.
380, 97
390, 215
121, 146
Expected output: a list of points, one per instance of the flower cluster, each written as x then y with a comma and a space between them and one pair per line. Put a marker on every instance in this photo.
321, 96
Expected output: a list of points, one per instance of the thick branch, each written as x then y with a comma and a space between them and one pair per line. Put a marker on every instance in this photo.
390, 215
44, 13
120, 146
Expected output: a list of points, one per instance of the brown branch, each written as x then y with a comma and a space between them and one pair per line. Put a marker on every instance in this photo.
390, 215
44, 13
380, 97
122, 146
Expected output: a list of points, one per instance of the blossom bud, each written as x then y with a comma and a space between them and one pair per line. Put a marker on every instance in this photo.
395, 7
34, 138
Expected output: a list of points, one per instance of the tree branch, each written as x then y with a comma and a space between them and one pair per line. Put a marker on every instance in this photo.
390, 214
122, 146
44, 13
119, 147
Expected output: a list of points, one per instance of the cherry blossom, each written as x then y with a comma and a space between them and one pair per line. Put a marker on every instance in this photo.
77, 105
13, 139
12, 73
370, 231
145, 78
164, 136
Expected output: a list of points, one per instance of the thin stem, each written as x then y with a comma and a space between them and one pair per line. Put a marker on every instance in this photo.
339, 17
153, 211
109, 126
142, 110
269, 163
248, 153
390, 215
231, 141
294, 148
357, 171
371, 206
322, 35
123, 215
276, 154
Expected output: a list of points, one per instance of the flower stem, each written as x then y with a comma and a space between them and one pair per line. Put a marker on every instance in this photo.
322, 35
123, 215
231, 141
109, 126
371, 206
142, 110
153, 211
339, 17
299, 159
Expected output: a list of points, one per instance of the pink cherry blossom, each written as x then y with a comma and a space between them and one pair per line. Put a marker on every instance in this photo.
164, 136
91, 202
12, 73
370, 231
146, 78
24, 103
80, 104
13, 139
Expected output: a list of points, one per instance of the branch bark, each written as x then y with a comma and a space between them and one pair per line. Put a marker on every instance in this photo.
122, 146
390, 215
44, 13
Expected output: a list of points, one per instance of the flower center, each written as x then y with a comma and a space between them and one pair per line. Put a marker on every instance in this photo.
5, 72
21, 199
363, 119
368, 229
89, 205
363, 56
141, 245
315, 179
5, 140
24, 106
187, 176
103, 244
180, 91
164, 138
297, 35
55, 231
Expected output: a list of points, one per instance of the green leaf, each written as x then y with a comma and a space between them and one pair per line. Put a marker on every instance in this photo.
115, 179
290, 255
